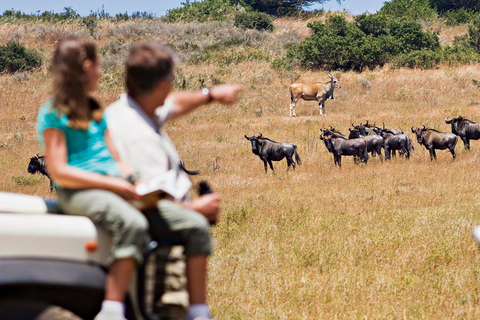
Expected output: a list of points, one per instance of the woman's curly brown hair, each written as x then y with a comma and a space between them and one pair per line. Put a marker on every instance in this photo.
70, 83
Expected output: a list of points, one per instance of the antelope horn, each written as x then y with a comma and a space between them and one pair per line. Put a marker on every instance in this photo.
329, 75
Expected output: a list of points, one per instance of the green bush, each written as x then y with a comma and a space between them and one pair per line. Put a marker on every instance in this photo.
460, 16
448, 5
207, 10
369, 41
16, 57
253, 20
455, 54
423, 59
473, 38
411, 10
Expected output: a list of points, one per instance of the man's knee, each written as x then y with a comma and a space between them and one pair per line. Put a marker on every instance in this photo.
197, 237
138, 226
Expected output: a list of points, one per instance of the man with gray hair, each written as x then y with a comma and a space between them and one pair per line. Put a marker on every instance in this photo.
135, 123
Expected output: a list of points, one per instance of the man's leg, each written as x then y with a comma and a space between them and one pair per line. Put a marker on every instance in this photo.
197, 279
172, 220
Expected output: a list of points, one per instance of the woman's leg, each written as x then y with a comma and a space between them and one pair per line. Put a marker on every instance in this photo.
118, 278
127, 225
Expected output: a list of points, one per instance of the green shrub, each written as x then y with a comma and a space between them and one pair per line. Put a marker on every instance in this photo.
16, 57
253, 20
91, 23
370, 41
423, 59
473, 38
412, 10
455, 54
207, 10
460, 16
449, 5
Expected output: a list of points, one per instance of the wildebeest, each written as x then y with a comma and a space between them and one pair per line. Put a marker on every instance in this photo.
374, 142
269, 150
466, 129
393, 152
344, 147
393, 142
318, 91
37, 164
433, 139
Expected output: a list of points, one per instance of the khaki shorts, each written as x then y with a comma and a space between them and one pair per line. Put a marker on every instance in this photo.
171, 220
127, 225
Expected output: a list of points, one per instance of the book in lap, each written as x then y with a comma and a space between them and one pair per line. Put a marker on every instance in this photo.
155, 189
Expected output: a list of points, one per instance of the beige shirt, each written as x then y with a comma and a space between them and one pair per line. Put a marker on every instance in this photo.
143, 144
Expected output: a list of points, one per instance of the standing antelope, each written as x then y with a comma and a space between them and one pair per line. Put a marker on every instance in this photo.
317, 91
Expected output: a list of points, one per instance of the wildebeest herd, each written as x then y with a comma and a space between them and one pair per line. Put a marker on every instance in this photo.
362, 139
366, 138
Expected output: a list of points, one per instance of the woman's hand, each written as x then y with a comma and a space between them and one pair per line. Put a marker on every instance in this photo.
124, 189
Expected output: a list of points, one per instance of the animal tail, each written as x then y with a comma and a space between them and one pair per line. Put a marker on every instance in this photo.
297, 157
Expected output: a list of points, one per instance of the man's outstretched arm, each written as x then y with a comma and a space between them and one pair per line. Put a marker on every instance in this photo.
186, 101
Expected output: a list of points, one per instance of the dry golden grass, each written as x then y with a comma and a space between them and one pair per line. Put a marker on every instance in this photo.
382, 240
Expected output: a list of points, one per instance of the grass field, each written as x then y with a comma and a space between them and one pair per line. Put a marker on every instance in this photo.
377, 241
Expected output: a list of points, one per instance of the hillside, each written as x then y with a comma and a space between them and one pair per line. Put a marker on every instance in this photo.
382, 240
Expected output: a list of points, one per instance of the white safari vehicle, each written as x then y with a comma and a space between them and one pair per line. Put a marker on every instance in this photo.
51, 259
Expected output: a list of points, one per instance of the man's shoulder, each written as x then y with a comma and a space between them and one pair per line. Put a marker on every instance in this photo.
119, 110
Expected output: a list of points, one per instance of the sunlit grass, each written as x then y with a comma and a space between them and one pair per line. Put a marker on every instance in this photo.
382, 240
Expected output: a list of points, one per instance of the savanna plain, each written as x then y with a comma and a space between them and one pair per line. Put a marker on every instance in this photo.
386, 240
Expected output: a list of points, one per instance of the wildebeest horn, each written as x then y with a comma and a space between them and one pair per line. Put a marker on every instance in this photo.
36, 155
383, 125
413, 130
424, 128
260, 134
447, 121
246, 137
366, 122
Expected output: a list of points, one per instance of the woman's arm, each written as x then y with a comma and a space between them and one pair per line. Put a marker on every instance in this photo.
69, 177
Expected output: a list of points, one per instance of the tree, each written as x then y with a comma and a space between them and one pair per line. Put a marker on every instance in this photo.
448, 5
278, 7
